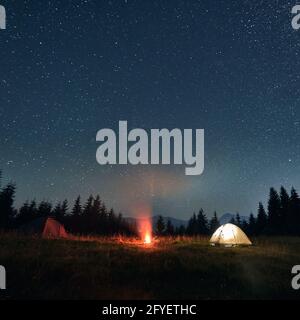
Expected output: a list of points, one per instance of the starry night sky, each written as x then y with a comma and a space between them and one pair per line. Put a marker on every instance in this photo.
69, 68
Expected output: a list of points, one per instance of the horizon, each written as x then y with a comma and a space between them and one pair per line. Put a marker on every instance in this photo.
138, 215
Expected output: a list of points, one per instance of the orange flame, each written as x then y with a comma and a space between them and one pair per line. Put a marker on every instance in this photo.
147, 239
143, 212
145, 230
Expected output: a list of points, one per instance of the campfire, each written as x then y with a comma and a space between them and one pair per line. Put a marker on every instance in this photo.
147, 238
145, 230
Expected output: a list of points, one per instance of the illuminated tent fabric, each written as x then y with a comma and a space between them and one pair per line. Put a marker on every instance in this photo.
229, 234
45, 227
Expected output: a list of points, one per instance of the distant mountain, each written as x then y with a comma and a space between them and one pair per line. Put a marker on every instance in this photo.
226, 218
175, 222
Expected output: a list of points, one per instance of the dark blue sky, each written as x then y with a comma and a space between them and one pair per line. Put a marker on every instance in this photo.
70, 68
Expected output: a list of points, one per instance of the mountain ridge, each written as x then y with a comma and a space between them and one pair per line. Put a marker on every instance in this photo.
225, 218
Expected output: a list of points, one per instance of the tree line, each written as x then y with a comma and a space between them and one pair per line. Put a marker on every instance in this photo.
198, 224
281, 217
91, 217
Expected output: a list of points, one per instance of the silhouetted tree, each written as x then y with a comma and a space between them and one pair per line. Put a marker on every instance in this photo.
45, 209
7, 211
60, 211
57, 210
238, 220
77, 208
245, 226
33, 209
85, 219
180, 231
25, 214
284, 210
88, 205
192, 226
111, 221
202, 223
274, 212
96, 208
262, 220
160, 225
103, 211
214, 223
294, 213
251, 224
64, 207
170, 228
232, 220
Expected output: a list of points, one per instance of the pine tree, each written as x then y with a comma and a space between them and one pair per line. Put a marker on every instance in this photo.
33, 209
214, 223
192, 226
181, 230
24, 214
60, 211
232, 220
170, 228
262, 220
77, 209
245, 226
274, 210
294, 213
103, 211
88, 205
97, 206
252, 224
238, 220
202, 223
85, 218
64, 207
7, 212
284, 210
111, 221
95, 225
45, 209
57, 211
160, 225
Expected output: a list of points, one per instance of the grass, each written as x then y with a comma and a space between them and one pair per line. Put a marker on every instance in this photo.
185, 268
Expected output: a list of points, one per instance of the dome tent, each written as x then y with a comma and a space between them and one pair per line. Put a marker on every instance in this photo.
229, 235
46, 228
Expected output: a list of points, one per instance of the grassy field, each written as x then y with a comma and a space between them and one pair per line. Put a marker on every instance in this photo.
170, 269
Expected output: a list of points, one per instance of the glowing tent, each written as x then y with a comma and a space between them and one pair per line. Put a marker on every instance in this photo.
46, 228
229, 235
